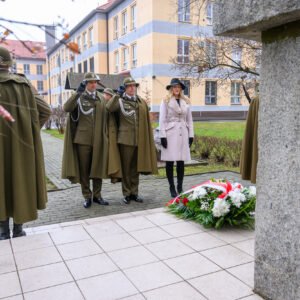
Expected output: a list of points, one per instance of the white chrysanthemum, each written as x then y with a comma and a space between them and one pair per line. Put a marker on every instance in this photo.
199, 192
252, 191
204, 206
237, 198
221, 208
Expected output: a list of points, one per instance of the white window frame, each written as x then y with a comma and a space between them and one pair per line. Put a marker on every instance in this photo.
40, 82
116, 27
237, 55
235, 93
39, 69
210, 96
79, 43
184, 10
117, 61
125, 54
185, 57
84, 41
133, 17
91, 37
134, 55
26, 70
124, 22
211, 52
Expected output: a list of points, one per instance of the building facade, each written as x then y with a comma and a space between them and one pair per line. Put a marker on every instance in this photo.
31, 62
141, 37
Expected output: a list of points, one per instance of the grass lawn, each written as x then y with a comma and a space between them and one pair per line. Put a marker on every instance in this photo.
55, 133
192, 170
230, 130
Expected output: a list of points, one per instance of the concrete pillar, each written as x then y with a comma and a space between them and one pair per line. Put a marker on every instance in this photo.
277, 247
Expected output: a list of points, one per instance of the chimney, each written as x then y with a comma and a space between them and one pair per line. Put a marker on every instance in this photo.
50, 36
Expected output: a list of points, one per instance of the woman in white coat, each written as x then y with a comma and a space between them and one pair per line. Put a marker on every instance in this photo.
176, 132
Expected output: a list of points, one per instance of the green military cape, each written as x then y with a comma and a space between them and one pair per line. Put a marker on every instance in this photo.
22, 171
147, 159
106, 158
249, 155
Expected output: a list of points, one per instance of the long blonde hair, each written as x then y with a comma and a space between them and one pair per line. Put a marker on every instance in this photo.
171, 95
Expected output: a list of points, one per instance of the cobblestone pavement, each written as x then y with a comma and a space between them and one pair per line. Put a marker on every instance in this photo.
66, 205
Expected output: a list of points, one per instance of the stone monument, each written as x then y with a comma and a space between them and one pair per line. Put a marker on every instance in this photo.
277, 248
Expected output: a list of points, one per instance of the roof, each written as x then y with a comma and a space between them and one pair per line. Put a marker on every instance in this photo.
18, 50
106, 81
109, 5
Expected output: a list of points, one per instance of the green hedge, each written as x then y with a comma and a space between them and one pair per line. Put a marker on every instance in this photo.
217, 150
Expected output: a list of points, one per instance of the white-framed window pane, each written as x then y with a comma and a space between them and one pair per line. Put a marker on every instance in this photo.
117, 62
133, 17
209, 13
116, 27
184, 10
79, 43
134, 55
84, 41
91, 38
125, 58
124, 22
26, 68
235, 93
237, 55
210, 92
92, 64
187, 89
39, 69
183, 51
40, 86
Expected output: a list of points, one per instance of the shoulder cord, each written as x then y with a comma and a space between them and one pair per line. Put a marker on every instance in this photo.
80, 109
124, 112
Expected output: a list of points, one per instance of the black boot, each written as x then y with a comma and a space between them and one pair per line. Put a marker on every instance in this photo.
170, 176
4, 230
18, 230
180, 175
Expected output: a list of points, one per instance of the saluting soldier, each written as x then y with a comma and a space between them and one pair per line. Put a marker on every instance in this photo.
22, 170
135, 138
86, 144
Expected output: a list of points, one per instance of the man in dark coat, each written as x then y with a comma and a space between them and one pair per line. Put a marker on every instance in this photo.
22, 171
135, 138
86, 147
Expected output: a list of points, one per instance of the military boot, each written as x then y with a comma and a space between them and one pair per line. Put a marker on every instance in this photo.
4, 230
18, 230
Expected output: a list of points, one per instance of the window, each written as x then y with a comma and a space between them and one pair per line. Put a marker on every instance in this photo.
26, 68
210, 92
59, 80
133, 56
85, 66
125, 58
58, 60
39, 69
79, 68
40, 86
14, 68
235, 93
187, 89
92, 64
79, 43
84, 41
117, 62
211, 52
183, 49
91, 34
116, 27
209, 13
237, 55
184, 10
124, 22
133, 17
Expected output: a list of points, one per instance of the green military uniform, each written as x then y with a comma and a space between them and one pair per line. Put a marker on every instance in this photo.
135, 139
249, 154
84, 137
22, 171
